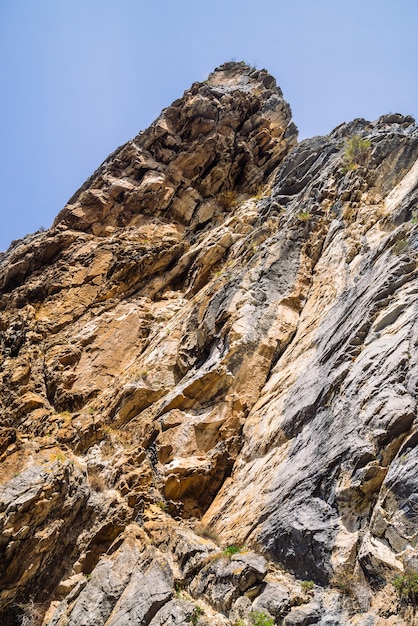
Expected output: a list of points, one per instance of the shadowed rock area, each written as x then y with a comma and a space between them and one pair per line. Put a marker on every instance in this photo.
208, 408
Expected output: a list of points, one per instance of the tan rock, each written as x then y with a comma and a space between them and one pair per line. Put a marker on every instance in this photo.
216, 343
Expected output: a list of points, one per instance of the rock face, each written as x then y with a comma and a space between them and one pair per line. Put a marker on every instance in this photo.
209, 377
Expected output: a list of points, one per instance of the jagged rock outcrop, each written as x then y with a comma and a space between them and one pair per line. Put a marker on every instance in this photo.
215, 346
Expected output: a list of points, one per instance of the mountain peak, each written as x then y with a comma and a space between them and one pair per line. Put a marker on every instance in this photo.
229, 132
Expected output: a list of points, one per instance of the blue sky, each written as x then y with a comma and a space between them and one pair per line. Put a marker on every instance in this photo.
81, 77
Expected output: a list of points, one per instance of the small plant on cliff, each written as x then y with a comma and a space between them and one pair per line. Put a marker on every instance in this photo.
58, 456
231, 550
357, 152
227, 553
304, 216
227, 199
206, 533
196, 615
347, 167
400, 246
262, 192
258, 618
307, 585
64, 416
30, 613
406, 585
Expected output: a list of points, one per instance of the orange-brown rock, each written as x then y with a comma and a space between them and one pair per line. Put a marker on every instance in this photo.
209, 377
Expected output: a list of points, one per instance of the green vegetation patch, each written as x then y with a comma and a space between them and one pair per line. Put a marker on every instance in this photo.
196, 615
304, 216
258, 618
406, 585
307, 585
357, 152
231, 550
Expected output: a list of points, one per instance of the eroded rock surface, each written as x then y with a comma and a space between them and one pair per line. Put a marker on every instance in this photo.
209, 377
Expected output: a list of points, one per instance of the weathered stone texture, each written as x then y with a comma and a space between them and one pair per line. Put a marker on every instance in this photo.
216, 345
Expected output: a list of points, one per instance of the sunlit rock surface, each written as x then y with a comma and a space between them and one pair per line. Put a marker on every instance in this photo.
209, 377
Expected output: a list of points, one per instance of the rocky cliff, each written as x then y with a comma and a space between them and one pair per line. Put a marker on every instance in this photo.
209, 377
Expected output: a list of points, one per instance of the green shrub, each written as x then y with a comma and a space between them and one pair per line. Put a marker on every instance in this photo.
406, 585
58, 456
357, 151
307, 585
195, 616
230, 550
304, 216
258, 618
348, 167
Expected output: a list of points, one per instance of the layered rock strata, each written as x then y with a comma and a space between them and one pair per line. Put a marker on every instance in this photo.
209, 377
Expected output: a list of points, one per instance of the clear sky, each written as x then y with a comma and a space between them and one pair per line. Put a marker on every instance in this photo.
81, 77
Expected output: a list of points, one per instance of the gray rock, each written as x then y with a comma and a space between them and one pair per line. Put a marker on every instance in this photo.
303, 615
149, 588
274, 599
94, 604
240, 609
223, 580
191, 552
126, 589
343, 400
176, 612
39, 511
